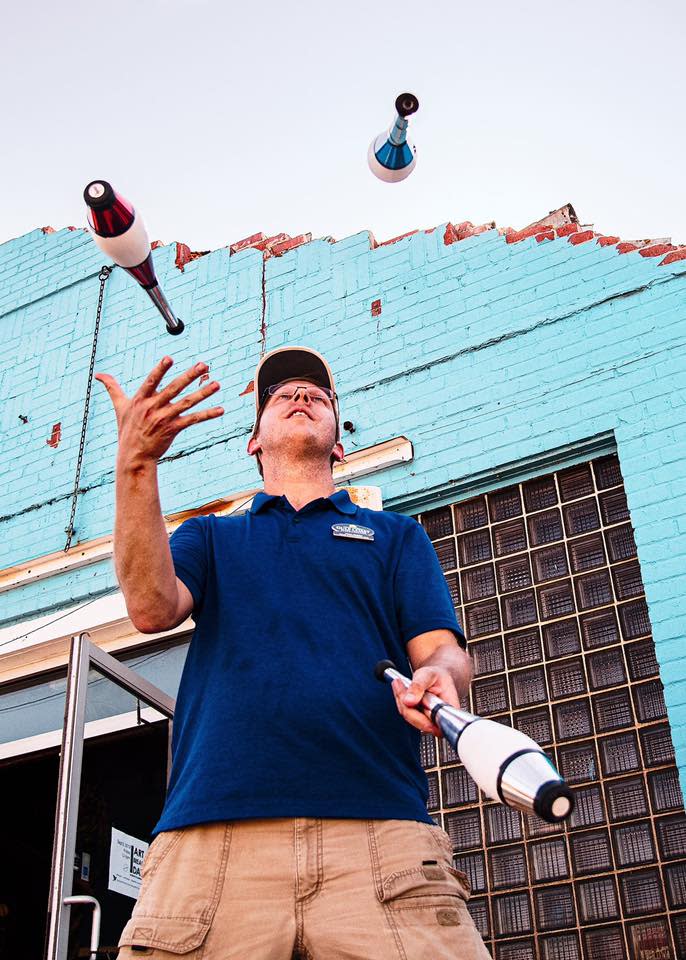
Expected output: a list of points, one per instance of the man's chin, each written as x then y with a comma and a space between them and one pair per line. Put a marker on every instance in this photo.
302, 445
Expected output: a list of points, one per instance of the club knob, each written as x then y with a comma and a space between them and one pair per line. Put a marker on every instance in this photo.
406, 104
381, 667
554, 801
99, 195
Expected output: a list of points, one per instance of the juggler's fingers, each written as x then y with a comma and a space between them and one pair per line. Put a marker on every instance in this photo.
416, 718
434, 679
180, 383
152, 381
190, 401
183, 422
110, 384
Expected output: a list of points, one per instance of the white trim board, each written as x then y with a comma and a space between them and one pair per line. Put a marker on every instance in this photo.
357, 464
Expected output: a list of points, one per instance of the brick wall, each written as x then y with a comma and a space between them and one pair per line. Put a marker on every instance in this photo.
488, 350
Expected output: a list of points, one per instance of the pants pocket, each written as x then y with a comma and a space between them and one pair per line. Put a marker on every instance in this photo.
181, 885
445, 848
422, 895
413, 868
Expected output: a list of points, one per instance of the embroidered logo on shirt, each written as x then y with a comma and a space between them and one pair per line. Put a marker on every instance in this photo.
352, 531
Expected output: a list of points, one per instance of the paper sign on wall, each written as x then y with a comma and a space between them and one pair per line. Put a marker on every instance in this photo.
126, 857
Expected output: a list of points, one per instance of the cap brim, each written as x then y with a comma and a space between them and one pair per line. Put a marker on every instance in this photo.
286, 363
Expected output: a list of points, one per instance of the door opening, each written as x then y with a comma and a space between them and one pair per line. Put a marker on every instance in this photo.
123, 784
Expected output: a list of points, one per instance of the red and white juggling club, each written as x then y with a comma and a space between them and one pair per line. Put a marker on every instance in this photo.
120, 233
504, 763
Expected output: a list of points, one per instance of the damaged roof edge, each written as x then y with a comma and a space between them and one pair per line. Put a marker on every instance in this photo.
557, 224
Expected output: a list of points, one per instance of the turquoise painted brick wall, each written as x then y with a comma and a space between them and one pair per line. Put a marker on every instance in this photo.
485, 354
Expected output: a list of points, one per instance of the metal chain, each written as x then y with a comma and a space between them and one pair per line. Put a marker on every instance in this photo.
69, 530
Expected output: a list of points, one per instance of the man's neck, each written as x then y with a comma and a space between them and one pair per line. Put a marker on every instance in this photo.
297, 488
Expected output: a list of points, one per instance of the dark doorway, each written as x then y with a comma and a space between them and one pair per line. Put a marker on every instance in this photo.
123, 786
28, 787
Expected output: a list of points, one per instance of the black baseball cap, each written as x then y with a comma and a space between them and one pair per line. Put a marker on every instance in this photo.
291, 363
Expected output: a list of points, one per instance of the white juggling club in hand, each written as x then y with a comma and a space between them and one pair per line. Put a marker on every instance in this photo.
504, 763
120, 233
391, 155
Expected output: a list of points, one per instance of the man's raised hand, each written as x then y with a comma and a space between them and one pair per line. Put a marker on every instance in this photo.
148, 421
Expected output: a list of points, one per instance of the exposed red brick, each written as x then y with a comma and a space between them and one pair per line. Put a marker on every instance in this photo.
376, 308
567, 229
450, 235
582, 237
402, 236
156, 244
559, 223
203, 378
555, 220
183, 255
678, 254
252, 241
514, 236
482, 228
56, 435
468, 229
270, 241
277, 249
249, 389
657, 250
464, 229
72, 229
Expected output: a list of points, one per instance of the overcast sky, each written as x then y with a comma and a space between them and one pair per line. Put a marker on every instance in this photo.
221, 119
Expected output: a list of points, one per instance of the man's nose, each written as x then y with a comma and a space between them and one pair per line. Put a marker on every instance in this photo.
303, 391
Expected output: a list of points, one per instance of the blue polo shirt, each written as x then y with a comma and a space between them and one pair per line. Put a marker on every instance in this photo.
278, 711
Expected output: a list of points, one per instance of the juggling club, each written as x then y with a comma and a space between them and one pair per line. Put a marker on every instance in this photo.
120, 233
504, 763
391, 155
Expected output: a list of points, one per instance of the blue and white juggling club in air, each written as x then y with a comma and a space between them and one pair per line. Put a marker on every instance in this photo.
503, 762
391, 155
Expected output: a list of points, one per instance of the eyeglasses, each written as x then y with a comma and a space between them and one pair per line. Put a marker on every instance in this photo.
286, 392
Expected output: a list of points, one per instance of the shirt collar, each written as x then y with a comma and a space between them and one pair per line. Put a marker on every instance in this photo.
340, 500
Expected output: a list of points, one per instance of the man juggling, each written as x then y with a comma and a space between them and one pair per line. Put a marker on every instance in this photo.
295, 821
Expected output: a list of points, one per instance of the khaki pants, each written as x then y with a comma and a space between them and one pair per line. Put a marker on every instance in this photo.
305, 888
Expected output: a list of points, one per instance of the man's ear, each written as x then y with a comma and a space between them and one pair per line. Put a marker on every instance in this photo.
254, 446
338, 453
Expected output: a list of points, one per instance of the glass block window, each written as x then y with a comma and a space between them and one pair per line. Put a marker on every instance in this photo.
507, 867
591, 852
487, 656
473, 865
564, 946
516, 950
523, 647
604, 943
548, 860
597, 899
478, 582
545, 578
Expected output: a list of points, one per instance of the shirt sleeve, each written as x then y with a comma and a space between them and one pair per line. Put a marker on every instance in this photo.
422, 597
189, 554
